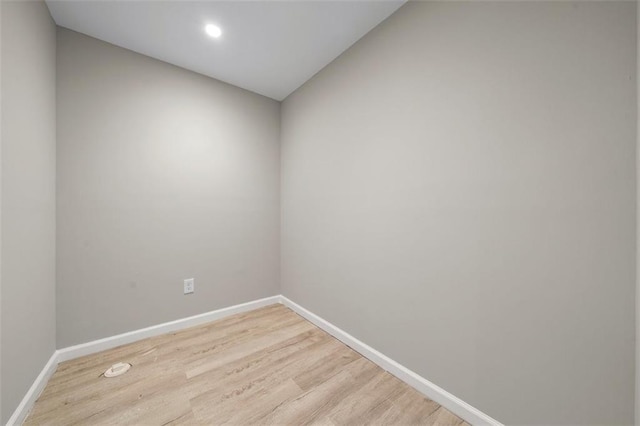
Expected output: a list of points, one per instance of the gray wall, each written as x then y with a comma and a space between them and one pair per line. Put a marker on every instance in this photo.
28, 197
637, 400
458, 191
1, 415
163, 174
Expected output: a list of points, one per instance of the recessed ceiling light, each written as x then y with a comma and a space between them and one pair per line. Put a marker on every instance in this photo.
213, 30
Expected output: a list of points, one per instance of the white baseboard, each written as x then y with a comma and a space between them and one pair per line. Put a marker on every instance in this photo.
83, 349
34, 392
452, 403
422, 385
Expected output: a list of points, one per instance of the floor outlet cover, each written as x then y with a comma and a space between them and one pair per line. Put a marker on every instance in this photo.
117, 369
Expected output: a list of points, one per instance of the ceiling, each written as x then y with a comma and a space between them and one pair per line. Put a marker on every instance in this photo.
267, 47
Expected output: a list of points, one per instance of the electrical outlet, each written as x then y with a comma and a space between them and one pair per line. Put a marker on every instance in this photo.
189, 286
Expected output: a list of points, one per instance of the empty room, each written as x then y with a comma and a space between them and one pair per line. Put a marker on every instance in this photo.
328, 212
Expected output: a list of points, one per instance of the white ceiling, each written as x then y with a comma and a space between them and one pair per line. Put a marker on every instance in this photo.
268, 47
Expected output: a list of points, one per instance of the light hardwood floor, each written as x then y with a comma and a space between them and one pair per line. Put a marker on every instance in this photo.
268, 366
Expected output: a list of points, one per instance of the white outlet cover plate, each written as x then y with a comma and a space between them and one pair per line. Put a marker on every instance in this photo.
189, 286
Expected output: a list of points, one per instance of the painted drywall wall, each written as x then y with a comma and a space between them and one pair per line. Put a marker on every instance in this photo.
637, 387
163, 174
1, 418
458, 191
27, 266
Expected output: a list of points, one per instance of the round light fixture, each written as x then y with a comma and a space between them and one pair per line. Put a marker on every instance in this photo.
213, 30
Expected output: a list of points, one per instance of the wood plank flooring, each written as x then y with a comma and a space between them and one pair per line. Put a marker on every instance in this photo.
268, 366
